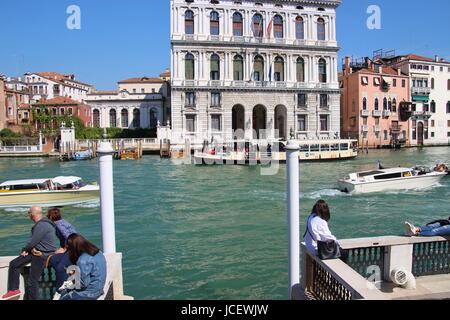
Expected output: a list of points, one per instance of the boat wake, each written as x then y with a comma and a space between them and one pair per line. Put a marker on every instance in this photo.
88, 205
16, 209
324, 193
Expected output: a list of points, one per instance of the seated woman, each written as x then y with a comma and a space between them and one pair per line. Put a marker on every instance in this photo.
60, 261
92, 266
433, 229
317, 227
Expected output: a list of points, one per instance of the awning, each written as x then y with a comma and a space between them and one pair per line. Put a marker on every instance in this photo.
421, 98
387, 80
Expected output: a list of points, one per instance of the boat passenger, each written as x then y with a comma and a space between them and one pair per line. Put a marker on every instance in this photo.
60, 261
433, 229
317, 227
92, 266
41, 245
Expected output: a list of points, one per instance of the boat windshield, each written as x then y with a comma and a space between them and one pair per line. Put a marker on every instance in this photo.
370, 173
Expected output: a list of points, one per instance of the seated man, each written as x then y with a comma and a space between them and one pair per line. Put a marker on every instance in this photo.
42, 244
433, 229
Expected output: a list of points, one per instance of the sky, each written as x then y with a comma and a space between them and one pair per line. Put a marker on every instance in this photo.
124, 39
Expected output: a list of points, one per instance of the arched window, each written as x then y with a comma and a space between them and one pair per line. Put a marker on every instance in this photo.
322, 71
214, 23
299, 28
320, 29
390, 105
279, 69
96, 118
136, 118
215, 67
300, 70
112, 118
385, 104
278, 26
124, 118
189, 64
377, 104
189, 22
258, 25
238, 68
238, 29
258, 67
364, 104
153, 118
394, 105
448, 107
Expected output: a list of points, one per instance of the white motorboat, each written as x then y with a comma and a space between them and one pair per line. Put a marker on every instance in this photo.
393, 179
59, 191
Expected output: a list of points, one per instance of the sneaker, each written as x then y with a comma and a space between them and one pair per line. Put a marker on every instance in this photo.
410, 229
11, 295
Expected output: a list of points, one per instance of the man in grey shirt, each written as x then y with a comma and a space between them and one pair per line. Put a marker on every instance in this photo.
43, 242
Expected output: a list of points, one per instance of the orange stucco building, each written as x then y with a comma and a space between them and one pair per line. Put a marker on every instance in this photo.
371, 100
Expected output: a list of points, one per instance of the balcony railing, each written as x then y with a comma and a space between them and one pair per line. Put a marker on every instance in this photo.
421, 90
377, 128
365, 128
352, 278
376, 113
365, 113
386, 113
396, 128
423, 114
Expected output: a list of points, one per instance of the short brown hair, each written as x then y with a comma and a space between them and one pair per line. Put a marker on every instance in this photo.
322, 210
54, 214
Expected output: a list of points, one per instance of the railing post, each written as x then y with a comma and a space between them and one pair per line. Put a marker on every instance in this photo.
293, 198
105, 160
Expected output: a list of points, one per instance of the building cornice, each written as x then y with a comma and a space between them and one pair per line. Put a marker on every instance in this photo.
251, 90
202, 44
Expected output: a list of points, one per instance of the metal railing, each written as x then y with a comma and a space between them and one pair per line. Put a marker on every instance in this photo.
365, 113
20, 149
421, 90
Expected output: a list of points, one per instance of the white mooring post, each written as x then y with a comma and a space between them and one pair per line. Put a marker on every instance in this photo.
105, 160
293, 198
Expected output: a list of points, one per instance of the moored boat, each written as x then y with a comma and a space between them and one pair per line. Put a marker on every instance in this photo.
263, 153
59, 191
392, 179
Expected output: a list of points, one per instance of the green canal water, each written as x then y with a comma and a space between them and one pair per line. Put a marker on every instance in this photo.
191, 232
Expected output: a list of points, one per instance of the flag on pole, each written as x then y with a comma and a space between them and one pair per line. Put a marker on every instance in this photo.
269, 28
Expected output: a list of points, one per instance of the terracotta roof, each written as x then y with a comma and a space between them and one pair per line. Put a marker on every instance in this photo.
58, 101
419, 58
24, 106
142, 80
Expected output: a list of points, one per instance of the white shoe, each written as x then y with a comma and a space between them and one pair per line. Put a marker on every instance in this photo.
411, 230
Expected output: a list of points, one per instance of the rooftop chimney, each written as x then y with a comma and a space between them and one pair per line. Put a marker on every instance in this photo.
436, 58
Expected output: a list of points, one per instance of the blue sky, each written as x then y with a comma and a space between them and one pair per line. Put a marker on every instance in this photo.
122, 39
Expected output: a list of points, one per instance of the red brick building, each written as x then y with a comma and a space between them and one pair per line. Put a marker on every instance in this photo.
62, 106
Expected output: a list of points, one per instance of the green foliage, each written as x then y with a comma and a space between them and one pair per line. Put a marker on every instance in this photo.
115, 133
8, 133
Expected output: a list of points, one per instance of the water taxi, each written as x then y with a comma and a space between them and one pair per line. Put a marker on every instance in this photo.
59, 191
392, 179
240, 152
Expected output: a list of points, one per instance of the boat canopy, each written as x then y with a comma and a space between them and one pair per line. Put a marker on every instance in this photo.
65, 180
23, 182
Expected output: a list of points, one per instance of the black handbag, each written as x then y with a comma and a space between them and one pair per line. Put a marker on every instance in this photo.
326, 250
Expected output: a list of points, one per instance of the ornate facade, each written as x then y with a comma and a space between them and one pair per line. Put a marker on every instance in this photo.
259, 66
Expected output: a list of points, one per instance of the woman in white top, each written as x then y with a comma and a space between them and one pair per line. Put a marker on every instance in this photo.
317, 226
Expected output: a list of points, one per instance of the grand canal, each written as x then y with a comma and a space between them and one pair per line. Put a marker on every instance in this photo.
220, 232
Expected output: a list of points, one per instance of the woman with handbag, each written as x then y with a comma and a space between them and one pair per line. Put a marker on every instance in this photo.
318, 237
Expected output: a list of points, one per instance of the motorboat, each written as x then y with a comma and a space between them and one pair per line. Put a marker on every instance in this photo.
390, 179
59, 191
83, 155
